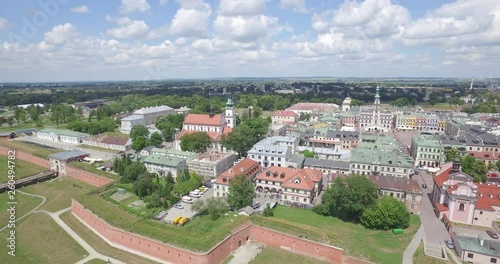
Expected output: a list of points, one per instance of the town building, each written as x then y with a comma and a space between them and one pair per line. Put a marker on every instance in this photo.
373, 118
215, 125
309, 108
150, 114
247, 166
301, 186
59, 161
328, 167
346, 104
461, 200
210, 164
283, 117
427, 151
107, 142
405, 190
334, 139
376, 161
477, 249
162, 165
62, 135
127, 123
274, 151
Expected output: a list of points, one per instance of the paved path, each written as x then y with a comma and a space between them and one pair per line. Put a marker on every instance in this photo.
32, 210
93, 254
412, 247
246, 253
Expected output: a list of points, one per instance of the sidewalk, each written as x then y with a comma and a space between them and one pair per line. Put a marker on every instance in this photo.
412, 247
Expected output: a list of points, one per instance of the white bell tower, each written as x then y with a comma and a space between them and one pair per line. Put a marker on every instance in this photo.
230, 116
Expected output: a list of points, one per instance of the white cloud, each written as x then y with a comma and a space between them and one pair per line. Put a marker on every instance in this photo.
129, 6
191, 19
246, 29
162, 2
3, 23
129, 29
60, 34
242, 7
295, 5
80, 9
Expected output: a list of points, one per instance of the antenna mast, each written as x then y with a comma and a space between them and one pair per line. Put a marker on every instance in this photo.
472, 80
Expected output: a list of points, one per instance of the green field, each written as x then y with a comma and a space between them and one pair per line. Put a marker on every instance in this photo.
96, 261
200, 234
21, 168
100, 245
270, 255
24, 204
92, 169
419, 257
376, 246
28, 148
59, 192
40, 240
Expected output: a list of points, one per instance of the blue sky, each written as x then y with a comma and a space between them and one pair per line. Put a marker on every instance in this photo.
76, 40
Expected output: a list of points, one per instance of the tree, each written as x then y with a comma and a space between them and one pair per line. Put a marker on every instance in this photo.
10, 121
268, 211
70, 101
241, 192
400, 102
139, 143
155, 139
451, 154
139, 131
132, 171
348, 197
475, 168
144, 186
386, 213
244, 136
309, 154
196, 142
214, 206
498, 165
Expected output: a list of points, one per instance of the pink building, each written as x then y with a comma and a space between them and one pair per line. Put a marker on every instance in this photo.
284, 117
462, 200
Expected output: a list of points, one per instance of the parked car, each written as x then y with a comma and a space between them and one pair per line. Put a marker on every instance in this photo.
160, 215
176, 220
449, 244
187, 199
183, 220
178, 206
194, 194
492, 234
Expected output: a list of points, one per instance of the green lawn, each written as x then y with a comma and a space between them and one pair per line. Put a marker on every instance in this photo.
419, 257
59, 192
100, 245
21, 168
117, 133
99, 149
200, 234
40, 240
92, 169
28, 148
376, 246
270, 255
96, 261
24, 205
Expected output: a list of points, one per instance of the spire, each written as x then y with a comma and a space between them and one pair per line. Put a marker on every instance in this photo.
377, 94
229, 102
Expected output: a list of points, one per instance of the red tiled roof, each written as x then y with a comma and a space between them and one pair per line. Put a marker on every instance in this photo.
306, 177
484, 155
115, 141
285, 113
200, 119
442, 175
441, 207
247, 166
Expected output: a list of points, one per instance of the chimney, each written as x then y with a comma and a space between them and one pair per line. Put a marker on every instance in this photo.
481, 240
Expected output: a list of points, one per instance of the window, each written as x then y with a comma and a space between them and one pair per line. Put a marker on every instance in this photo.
461, 207
480, 212
470, 255
493, 260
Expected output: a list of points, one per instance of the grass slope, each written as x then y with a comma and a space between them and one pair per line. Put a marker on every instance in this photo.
40, 240
24, 205
100, 245
35, 150
21, 168
270, 255
376, 246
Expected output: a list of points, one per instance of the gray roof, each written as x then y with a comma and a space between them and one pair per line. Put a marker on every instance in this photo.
132, 117
154, 109
342, 134
168, 161
64, 132
68, 154
334, 164
472, 244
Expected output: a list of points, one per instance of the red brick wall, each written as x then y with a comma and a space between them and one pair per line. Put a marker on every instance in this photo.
27, 157
217, 254
87, 177
295, 244
80, 175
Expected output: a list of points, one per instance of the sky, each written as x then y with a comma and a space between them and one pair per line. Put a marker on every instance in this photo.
93, 40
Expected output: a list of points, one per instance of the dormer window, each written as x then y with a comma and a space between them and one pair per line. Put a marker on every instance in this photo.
297, 181
282, 176
275, 174
224, 180
268, 173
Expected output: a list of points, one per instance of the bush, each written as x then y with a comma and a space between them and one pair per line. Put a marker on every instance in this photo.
268, 212
385, 214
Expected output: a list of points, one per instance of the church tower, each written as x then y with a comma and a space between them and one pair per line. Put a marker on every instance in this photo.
230, 116
376, 105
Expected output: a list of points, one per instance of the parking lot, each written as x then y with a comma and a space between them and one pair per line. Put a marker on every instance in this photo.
186, 211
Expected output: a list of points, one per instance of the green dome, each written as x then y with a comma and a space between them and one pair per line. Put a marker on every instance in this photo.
229, 102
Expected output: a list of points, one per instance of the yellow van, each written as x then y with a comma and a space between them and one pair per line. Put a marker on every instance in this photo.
177, 219
183, 221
